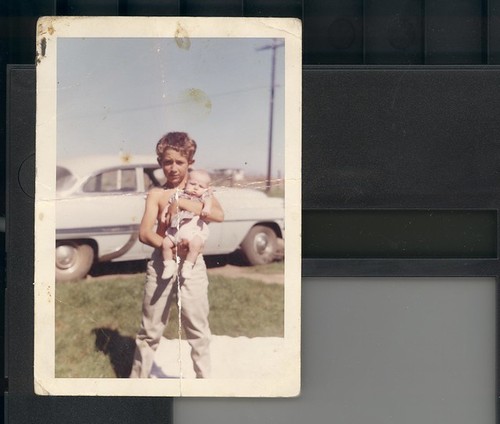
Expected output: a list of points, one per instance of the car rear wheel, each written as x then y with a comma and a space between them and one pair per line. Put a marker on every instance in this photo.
73, 260
259, 245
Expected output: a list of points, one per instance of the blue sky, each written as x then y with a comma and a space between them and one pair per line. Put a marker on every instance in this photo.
117, 94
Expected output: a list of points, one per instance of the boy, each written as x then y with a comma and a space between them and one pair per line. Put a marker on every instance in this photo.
186, 225
175, 153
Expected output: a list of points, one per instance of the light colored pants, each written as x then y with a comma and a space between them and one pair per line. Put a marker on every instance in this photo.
158, 297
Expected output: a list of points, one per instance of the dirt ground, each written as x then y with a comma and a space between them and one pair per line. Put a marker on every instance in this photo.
130, 269
245, 272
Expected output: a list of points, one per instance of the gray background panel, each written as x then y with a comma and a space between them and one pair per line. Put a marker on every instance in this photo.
382, 351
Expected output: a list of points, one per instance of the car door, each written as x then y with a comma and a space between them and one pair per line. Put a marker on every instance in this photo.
107, 208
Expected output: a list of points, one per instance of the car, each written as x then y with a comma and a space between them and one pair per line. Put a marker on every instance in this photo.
100, 203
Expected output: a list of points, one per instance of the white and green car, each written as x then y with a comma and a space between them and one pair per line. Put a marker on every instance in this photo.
100, 202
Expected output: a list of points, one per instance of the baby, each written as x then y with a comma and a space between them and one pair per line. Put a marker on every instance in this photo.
185, 225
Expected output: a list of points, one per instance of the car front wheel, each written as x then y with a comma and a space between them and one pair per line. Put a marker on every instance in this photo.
259, 245
73, 260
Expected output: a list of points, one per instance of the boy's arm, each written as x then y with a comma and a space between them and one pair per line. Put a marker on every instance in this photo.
216, 213
147, 233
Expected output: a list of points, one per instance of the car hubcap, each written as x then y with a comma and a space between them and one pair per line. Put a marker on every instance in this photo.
65, 256
261, 243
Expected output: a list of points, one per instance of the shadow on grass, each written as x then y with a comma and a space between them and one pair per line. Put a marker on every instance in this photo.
137, 267
120, 349
113, 268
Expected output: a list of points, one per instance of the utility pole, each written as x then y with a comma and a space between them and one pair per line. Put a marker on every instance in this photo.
275, 45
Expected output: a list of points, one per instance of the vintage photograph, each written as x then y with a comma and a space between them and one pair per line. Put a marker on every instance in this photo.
168, 208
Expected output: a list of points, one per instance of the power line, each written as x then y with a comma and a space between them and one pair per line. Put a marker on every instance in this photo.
275, 45
160, 105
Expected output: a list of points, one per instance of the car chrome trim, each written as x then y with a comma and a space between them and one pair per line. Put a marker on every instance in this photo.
90, 231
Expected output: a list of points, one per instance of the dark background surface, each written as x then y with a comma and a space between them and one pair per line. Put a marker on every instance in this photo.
335, 32
400, 164
413, 139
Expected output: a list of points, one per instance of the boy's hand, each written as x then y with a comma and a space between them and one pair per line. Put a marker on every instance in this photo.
205, 211
165, 216
207, 204
173, 208
182, 248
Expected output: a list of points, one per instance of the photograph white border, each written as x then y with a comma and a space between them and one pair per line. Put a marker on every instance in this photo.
49, 29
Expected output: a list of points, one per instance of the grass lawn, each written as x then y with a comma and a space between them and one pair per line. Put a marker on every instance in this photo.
96, 320
272, 268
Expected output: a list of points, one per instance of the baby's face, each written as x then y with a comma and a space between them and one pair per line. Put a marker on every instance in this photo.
196, 184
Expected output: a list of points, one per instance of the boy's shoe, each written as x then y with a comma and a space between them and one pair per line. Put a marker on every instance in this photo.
187, 270
169, 270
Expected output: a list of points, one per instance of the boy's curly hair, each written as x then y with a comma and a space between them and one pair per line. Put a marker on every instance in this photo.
179, 141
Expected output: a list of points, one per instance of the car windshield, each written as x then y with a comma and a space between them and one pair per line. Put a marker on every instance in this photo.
65, 179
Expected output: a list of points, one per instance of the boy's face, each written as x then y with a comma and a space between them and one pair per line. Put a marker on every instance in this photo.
175, 167
197, 184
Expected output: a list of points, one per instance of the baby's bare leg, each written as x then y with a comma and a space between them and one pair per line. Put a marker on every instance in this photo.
168, 258
195, 247
167, 249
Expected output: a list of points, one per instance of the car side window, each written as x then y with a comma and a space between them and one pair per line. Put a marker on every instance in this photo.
118, 180
148, 183
160, 177
153, 177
